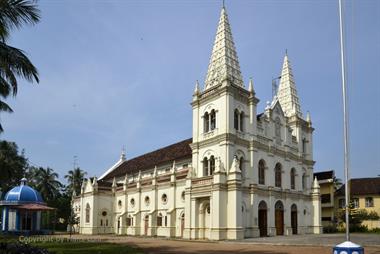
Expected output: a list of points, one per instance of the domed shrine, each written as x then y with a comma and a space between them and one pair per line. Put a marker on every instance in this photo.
22, 209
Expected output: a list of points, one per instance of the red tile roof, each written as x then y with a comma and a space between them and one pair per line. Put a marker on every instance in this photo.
177, 151
362, 186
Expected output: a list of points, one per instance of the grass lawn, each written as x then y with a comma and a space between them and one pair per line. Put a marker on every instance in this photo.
87, 247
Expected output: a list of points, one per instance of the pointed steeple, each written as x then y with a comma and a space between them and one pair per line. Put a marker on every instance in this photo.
224, 63
287, 91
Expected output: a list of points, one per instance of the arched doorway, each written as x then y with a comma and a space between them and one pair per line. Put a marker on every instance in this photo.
182, 223
279, 217
263, 220
294, 219
204, 219
146, 224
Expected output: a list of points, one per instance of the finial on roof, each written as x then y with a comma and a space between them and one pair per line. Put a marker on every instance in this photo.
155, 171
223, 4
196, 89
286, 52
94, 181
250, 86
23, 181
114, 185
308, 117
122, 156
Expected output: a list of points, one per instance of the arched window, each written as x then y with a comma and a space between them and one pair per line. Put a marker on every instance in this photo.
206, 122
212, 165
261, 172
304, 145
241, 165
277, 130
129, 221
303, 181
88, 210
213, 120
205, 167
278, 175
293, 178
159, 220
241, 121
236, 119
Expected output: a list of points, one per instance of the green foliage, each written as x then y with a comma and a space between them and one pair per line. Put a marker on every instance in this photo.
12, 165
75, 178
330, 229
13, 62
46, 182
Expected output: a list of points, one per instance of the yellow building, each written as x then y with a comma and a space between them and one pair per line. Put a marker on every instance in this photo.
365, 194
326, 183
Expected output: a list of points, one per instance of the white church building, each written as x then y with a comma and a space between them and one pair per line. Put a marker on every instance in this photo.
241, 175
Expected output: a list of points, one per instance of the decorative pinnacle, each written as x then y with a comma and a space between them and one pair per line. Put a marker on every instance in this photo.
250, 86
122, 156
196, 89
308, 117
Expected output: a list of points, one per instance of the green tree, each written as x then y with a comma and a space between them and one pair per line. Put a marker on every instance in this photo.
13, 61
12, 165
46, 182
75, 178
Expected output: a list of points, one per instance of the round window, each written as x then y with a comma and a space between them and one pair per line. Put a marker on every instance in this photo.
147, 200
164, 198
104, 213
132, 202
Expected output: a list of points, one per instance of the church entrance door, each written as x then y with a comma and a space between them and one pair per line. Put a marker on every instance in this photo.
293, 218
279, 218
263, 220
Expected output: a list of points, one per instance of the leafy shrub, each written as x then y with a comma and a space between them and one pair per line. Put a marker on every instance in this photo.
330, 229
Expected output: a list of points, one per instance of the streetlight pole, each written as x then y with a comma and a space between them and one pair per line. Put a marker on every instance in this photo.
347, 247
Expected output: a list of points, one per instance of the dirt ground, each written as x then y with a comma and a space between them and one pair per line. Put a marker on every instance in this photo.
161, 246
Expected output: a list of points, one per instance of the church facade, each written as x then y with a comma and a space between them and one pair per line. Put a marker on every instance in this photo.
242, 174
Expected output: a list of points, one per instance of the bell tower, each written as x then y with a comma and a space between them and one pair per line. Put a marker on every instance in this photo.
224, 121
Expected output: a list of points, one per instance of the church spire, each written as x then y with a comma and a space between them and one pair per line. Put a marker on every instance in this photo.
287, 92
224, 62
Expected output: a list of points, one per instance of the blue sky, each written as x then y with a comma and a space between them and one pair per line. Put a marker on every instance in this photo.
122, 73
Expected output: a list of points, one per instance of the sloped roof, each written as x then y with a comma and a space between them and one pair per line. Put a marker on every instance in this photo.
362, 186
177, 151
324, 175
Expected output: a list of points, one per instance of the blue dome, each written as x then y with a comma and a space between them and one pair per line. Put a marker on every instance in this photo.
23, 193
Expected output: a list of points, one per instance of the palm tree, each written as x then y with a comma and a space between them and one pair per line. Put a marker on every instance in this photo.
45, 181
13, 62
75, 179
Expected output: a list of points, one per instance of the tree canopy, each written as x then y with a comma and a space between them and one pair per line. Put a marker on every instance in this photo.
14, 63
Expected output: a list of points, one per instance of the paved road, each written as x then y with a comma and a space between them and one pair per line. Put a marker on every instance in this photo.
318, 240
309, 244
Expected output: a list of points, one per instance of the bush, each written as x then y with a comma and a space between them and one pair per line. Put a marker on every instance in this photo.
330, 229
358, 228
